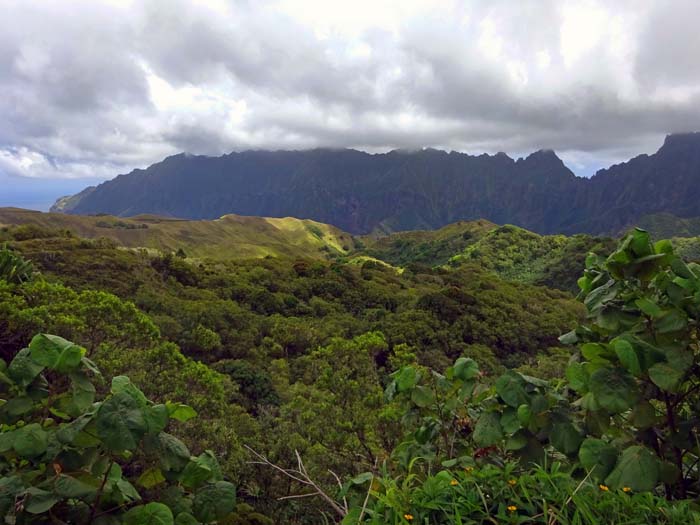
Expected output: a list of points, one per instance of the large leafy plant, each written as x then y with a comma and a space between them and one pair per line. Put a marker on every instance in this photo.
67, 458
13, 268
637, 373
627, 415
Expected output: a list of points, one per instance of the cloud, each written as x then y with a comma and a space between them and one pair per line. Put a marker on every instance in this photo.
95, 88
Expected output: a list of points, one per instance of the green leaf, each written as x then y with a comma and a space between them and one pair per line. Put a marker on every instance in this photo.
122, 384
578, 379
23, 369
149, 514
30, 440
488, 429
466, 369
628, 356
666, 377
593, 351
150, 478
70, 487
614, 389
598, 456
200, 469
637, 468
39, 501
509, 421
643, 415
406, 379
180, 412
174, 454
18, 406
566, 438
422, 396
649, 307
156, 418
7, 440
185, 518
214, 502
55, 352
510, 387
120, 422
671, 321
524, 414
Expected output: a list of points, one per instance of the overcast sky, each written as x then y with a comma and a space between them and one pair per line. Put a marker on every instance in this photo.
90, 89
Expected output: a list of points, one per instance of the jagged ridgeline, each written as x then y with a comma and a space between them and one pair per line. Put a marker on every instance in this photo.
362, 193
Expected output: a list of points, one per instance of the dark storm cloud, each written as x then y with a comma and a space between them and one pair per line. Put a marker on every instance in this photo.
95, 88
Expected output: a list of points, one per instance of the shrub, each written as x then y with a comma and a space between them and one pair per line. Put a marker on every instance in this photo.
67, 458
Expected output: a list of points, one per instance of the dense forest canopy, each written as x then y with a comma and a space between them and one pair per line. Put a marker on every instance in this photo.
294, 359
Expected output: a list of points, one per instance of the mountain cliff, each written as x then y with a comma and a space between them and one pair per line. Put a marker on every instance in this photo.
362, 193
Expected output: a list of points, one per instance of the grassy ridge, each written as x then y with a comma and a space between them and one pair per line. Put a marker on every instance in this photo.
230, 237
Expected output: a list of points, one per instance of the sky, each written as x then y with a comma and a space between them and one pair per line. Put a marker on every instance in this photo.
94, 88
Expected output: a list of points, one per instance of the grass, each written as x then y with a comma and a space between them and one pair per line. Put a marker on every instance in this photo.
230, 237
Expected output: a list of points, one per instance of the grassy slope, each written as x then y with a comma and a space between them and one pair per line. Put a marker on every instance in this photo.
231, 236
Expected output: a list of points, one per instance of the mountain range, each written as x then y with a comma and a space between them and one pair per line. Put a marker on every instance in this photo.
365, 193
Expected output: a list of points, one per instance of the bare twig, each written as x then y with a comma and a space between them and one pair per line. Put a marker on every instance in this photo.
301, 476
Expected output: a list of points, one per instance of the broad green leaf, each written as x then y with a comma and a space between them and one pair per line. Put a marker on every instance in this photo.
18, 406
524, 414
422, 396
593, 351
614, 389
643, 415
598, 456
7, 440
671, 321
185, 518
173, 453
406, 379
156, 417
510, 387
122, 384
39, 501
628, 356
509, 421
637, 468
70, 487
578, 379
180, 412
203, 468
649, 307
120, 422
150, 478
566, 438
55, 352
23, 369
30, 440
149, 514
666, 377
214, 501
488, 429
466, 369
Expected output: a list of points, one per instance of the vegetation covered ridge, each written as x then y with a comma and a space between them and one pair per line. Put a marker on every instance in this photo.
338, 392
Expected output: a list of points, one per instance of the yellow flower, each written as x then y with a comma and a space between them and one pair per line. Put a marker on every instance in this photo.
626, 489
454, 482
512, 508
468, 469
408, 517
604, 488
512, 482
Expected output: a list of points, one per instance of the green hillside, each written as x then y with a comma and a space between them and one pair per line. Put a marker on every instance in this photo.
231, 236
